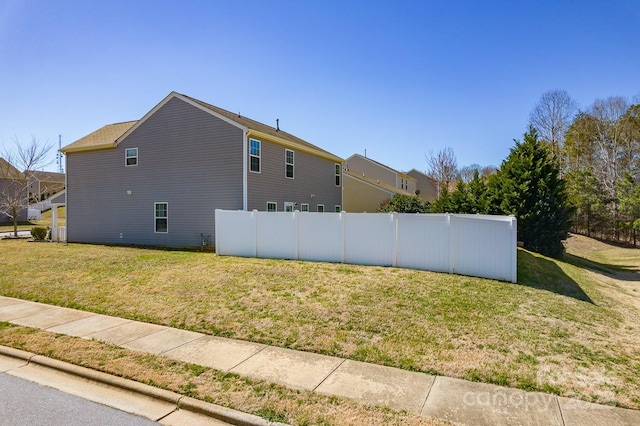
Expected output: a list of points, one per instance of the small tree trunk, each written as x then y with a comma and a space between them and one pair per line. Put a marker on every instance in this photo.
15, 222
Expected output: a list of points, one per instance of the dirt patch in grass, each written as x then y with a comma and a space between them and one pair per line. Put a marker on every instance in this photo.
270, 401
563, 328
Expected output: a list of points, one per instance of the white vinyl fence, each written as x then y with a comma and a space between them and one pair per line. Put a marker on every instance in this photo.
475, 245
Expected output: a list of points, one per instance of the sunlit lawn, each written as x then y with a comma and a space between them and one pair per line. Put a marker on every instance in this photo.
562, 329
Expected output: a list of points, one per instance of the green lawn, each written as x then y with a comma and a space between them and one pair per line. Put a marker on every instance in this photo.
563, 328
45, 220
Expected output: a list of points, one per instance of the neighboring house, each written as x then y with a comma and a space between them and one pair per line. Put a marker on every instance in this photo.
43, 185
426, 187
12, 185
158, 180
367, 183
364, 195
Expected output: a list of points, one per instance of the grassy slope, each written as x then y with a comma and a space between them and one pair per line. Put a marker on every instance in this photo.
562, 329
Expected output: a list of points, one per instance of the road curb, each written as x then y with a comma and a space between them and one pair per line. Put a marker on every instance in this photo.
181, 402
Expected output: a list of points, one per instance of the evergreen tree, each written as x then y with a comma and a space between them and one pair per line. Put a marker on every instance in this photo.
477, 194
404, 204
459, 199
528, 186
443, 203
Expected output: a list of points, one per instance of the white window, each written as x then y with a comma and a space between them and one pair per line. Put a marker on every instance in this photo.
288, 206
161, 216
131, 157
338, 208
288, 166
272, 207
338, 174
304, 207
255, 149
320, 208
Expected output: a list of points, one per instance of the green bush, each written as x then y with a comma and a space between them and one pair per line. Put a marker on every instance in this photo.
38, 233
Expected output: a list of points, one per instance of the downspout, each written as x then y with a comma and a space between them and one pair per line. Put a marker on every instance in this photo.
66, 207
245, 170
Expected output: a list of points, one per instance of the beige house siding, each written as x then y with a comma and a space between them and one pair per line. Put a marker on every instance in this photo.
361, 196
381, 173
427, 186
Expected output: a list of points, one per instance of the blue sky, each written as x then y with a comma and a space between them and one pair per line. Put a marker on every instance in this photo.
397, 78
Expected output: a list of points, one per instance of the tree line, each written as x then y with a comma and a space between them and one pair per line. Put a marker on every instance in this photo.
575, 170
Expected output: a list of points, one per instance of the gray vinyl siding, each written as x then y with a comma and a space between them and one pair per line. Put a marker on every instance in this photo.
312, 175
186, 158
9, 186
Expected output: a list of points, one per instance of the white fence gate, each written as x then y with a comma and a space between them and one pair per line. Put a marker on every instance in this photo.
475, 245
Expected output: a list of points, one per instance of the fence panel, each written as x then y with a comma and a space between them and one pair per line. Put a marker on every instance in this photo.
484, 246
320, 237
235, 233
476, 245
369, 239
276, 235
423, 242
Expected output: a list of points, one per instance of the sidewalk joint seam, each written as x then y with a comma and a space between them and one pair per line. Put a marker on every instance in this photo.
424, 404
327, 376
108, 328
248, 358
70, 321
202, 336
29, 315
560, 410
142, 337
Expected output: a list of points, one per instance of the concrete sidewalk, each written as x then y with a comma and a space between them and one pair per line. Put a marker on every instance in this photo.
455, 400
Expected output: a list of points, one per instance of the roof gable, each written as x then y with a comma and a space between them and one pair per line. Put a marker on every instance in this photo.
376, 183
8, 171
379, 164
111, 135
103, 138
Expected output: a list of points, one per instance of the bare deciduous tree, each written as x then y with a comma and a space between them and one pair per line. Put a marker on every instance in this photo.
609, 141
15, 171
467, 172
443, 167
552, 116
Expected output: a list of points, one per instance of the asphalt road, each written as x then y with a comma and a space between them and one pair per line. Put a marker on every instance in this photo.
25, 403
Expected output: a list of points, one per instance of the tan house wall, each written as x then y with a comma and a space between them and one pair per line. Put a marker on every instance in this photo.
426, 186
360, 196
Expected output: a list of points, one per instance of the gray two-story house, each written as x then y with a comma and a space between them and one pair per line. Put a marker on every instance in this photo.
158, 180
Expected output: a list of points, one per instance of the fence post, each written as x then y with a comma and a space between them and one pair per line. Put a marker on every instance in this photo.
254, 218
394, 254
514, 242
452, 256
296, 218
343, 221
215, 227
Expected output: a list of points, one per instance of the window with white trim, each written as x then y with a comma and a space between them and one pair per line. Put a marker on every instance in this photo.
338, 172
338, 208
320, 208
255, 152
272, 207
161, 217
288, 163
131, 157
304, 207
289, 206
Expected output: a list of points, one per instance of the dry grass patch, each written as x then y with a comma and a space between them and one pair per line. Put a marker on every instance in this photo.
562, 329
274, 402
